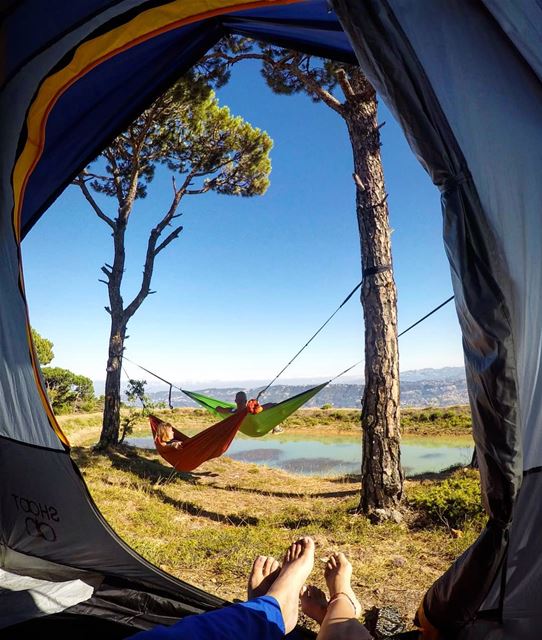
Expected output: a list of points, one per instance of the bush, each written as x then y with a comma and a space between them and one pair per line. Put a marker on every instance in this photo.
451, 502
327, 405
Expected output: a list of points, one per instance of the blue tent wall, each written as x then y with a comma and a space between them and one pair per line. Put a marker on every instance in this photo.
463, 79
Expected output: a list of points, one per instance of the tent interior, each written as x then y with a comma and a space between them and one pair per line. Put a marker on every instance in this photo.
464, 80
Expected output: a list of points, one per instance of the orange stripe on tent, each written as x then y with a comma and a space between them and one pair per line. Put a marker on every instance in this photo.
209, 443
146, 25
89, 55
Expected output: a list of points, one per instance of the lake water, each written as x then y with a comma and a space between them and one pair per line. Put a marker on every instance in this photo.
336, 455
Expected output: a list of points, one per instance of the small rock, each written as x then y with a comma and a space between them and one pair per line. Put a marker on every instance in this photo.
456, 533
399, 561
383, 622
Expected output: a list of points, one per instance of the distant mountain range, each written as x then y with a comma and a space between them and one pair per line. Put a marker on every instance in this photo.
419, 388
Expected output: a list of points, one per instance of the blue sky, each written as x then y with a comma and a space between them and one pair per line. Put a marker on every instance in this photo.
250, 279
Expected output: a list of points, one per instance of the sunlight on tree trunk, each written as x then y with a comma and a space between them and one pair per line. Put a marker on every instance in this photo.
381, 473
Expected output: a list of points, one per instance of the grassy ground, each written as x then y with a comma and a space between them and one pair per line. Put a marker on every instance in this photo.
206, 526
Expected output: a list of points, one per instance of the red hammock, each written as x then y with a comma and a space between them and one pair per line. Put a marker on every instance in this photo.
210, 443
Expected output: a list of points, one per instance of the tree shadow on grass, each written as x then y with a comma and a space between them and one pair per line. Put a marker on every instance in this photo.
131, 459
286, 494
156, 473
196, 510
438, 475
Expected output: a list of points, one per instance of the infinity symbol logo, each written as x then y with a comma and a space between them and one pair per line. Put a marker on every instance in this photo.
38, 529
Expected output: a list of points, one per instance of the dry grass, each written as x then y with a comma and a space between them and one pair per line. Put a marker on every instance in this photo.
205, 527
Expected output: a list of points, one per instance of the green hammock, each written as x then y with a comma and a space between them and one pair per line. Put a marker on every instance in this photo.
256, 425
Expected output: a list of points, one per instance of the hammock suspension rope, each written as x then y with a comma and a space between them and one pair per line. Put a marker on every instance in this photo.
427, 315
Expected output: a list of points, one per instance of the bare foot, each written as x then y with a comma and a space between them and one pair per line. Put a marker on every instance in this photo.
264, 571
338, 573
296, 567
313, 603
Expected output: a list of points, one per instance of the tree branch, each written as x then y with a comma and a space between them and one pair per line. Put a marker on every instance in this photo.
153, 250
79, 181
345, 85
174, 234
116, 177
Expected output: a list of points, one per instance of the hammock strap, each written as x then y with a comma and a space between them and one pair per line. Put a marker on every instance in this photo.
310, 339
170, 384
401, 334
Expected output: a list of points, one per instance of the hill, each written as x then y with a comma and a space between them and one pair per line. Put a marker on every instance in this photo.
423, 392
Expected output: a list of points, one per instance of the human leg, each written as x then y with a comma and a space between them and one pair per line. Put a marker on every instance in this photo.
296, 568
340, 621
265, 570
265, 616
313, 603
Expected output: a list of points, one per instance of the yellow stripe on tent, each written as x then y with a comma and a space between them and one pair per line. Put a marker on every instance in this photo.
89, 55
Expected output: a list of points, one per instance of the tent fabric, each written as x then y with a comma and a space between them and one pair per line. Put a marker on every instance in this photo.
207, 444
124, 90
72, 76
52, 530
464, 81
256, 425
20, 595
470, 105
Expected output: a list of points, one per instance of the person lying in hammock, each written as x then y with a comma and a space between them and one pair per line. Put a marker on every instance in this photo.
241, 402
274, 595
167, 436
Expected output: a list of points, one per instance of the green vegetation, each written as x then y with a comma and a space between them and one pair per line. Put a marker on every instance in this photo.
44, 348
206, 526
436, 421
454, 502
67, 391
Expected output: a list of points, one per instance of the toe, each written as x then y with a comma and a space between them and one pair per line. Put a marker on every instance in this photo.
258, 564
267, 565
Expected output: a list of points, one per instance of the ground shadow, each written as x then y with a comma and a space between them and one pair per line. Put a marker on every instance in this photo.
437, 475
155, 472
126, 458
195, 510
286, 494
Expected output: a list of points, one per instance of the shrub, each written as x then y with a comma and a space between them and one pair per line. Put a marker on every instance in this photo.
327, 405
451, 502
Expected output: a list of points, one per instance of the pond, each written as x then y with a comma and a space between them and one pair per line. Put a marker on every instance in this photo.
326, 455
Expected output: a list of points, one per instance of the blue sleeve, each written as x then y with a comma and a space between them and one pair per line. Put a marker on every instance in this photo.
257, 619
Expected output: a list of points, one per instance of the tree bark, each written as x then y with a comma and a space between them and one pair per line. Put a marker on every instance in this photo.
381, 473
111, 416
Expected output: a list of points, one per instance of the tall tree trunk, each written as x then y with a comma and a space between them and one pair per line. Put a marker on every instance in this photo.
381, 473
111, 416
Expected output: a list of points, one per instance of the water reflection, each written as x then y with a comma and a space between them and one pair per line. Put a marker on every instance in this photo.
337, 454
258, 455
318, 466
